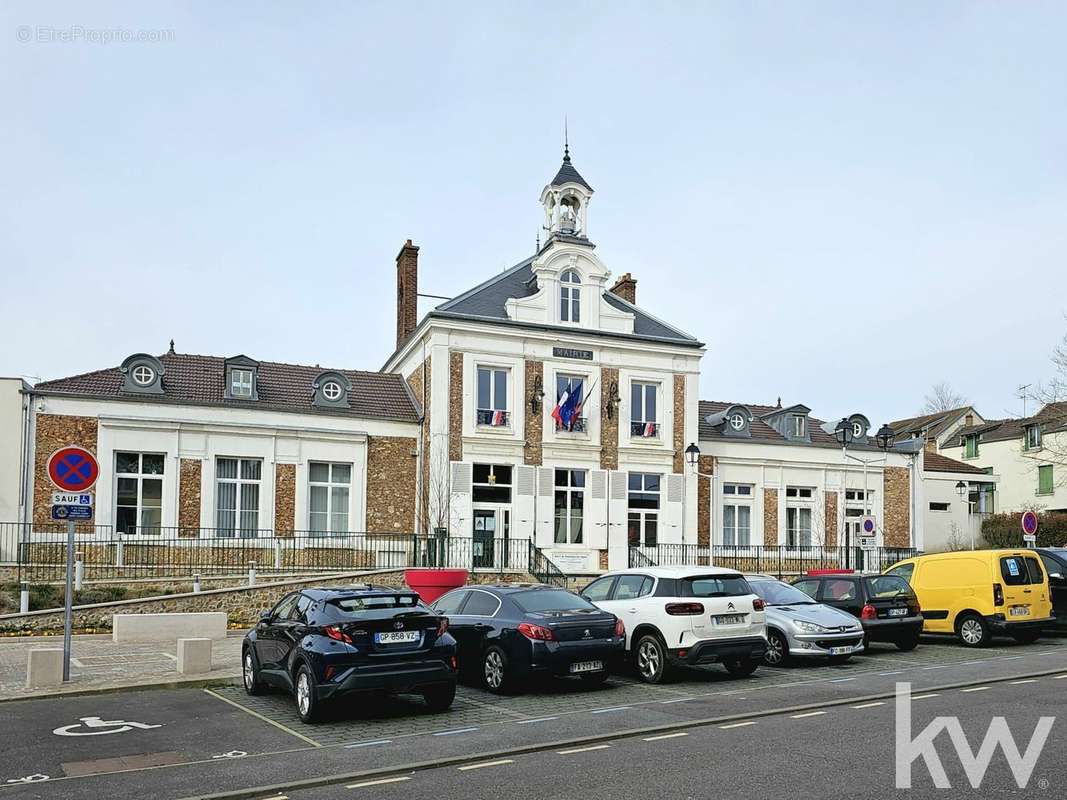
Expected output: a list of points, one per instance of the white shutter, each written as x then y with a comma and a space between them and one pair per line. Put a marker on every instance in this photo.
461, 478
546, 477
674, 508
460, 522
617, 544
675, 485
522, 523
546, 480
596, 510
598, 484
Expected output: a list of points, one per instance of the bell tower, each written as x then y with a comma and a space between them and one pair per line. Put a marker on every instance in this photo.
566, 201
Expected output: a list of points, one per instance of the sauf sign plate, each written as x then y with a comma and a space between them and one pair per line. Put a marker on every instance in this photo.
72, 499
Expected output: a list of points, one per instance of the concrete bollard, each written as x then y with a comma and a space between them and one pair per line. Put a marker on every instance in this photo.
24, 598
44, 667
120, 555
251, 573
196, 584
79, 571
277, 554
194, 656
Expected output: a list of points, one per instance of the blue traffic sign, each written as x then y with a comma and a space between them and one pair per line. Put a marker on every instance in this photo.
72, 512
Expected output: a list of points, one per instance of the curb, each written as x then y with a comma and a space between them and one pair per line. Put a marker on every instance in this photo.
228, 679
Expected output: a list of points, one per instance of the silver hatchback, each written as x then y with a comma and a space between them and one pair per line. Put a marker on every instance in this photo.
798, 626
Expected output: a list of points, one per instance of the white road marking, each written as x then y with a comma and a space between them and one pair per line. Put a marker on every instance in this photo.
609, 710
531, 721
808, 714
1059, 677
975, 689
736, 725
898, 672
485, 764
378, 782
583, 749
1028, 680
676, 700
1011, 658
368, 744
870, 705
451, 733
664, 736
268, 720
842, 680
939, 666
924, 696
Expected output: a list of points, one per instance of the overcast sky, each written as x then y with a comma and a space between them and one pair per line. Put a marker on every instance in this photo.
847, 202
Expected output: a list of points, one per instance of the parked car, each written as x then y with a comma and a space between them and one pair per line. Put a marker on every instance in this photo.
510, 633
799, 626
684, 616
321, 644
886, 605
976, 594
1055, 562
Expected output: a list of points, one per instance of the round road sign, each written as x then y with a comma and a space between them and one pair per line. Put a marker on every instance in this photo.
1029, 523
73, 469
868, 525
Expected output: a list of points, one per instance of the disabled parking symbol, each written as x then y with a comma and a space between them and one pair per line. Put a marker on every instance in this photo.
95, 726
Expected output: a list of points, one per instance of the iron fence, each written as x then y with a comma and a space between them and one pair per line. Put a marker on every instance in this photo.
779, 560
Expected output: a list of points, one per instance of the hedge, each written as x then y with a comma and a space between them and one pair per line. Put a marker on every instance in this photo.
1006, 530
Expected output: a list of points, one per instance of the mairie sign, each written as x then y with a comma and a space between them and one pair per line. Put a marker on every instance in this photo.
73, 469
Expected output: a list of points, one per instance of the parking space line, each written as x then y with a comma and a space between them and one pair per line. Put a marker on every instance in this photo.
1059, 677
736, 725
493, 707
1018, 683
268, 720
453, 732
842, 680
499, 763
898, 672
975, 689
610, 710
870, 705
538, 719
808, 714
924, 696
379, 782
676, 700
583, 749
664, 736
368, 744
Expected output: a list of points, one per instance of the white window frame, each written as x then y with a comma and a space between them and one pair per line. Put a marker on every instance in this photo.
571, 537
799, 499
1033, 437
140, 477
637, 416
146, 373
239, 387
645, 515
332, 391
239, 531
570, 296
330, 484
494, 404
800, 426
582, 423
735, 497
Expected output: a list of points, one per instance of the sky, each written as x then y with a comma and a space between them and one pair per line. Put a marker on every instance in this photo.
848, 202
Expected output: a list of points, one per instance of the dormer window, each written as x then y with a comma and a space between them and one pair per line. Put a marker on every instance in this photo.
800, 426
331, 390
241, 383
1033, 437
570, 296
737, 421
143, 375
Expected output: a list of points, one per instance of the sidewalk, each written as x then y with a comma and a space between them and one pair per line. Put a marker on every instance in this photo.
98, 664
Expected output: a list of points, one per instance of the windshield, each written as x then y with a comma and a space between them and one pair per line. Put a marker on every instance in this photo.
776, 593
888, 586
551, 600
353, 605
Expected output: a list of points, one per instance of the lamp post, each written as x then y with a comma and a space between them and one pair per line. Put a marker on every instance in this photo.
884, 438
692, 458
962, 489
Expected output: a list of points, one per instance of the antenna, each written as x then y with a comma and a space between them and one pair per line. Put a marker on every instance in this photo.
566, 141
1021, 394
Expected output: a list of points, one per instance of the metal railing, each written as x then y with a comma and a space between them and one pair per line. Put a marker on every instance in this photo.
544, 569
778, 560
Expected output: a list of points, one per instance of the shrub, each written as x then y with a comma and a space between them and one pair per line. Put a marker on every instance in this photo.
1006, 530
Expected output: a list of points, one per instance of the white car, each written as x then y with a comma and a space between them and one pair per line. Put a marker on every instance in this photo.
689, 616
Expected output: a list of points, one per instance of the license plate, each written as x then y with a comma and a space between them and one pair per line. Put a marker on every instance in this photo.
396, 637
840, 651
587, 666
898, 612
1019, 611
729, 619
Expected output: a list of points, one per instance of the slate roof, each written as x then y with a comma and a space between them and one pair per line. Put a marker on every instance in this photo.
935, 462
763, 432
487, 301
200, 380
936, 423
1052, 417
568, 174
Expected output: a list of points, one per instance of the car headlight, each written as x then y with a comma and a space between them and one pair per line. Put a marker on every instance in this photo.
809, 627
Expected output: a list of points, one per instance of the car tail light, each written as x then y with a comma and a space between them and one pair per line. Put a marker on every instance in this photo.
684, 609
998, 594
620, 629
537, 633
337, 634
869, 612
442, 627
328, 673
758, 604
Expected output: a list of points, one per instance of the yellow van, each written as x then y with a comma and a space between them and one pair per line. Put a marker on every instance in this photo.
976, 594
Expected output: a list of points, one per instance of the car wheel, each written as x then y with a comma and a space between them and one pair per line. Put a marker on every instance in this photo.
908, 644
250, 673
777, 652
495, 671
650, 659
973, 631
594, 678
1026, 637
307, 705
741, 667
440, 698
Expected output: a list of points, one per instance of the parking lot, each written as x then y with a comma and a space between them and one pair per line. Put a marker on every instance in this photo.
203, 740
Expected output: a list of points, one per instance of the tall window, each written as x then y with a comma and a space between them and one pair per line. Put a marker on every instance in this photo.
237, 497
139, 493
800, 426
1033, 437
492, 396
571, 385
241, 382
570, 304
642, 520
570, 504
1045, 483
798, 515
643, 420
970, 446
736, 514
329, 486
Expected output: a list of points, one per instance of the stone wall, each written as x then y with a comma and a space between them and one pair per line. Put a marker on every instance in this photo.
391, 465
609, 420
532, 449
420, 382
705, 466
678, 423
830, 519
53, 432
455, 406
770, 517
285, 499
190, 473
897, 531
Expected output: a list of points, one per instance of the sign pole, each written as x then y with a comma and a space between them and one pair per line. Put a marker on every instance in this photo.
68, 601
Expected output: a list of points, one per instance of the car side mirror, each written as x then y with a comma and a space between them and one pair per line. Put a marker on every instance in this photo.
1056, 576
264, 616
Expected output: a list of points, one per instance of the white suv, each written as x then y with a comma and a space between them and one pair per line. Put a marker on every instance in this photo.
684, 616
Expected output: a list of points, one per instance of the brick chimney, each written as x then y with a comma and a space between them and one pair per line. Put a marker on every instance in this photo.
407, 290
626, 288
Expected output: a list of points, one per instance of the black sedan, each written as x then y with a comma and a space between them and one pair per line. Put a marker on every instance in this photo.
320, 644
886, 604
508, 634
1055, 561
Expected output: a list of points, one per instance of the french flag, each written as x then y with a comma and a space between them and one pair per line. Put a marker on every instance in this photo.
649, 429
566, 410
499, 418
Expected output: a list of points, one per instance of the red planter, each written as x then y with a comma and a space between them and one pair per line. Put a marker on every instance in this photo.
432, 583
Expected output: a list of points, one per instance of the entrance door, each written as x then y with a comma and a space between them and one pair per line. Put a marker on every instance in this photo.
490, 537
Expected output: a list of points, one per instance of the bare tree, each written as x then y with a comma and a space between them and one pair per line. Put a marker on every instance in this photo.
1052, 417
942, 397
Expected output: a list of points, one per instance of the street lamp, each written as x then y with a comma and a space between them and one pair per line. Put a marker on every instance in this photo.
843, 432
692, 454
885, 437
962, 489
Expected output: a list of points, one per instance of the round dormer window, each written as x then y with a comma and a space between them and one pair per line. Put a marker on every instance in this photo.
143, 375
857, 430
737, 422
331, 390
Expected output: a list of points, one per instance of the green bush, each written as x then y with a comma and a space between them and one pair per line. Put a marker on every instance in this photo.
45, 595
1006, 530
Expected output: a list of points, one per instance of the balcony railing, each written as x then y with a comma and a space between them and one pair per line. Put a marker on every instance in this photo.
644, 430
579, 425
493, 418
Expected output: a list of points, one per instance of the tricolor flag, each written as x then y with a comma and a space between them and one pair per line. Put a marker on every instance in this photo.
649, 429
566, 410
498, 418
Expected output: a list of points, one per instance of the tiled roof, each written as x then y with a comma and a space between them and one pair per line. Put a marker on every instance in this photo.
568, 174
935, 462
936, 423
200, 380
761, 431
1052, 417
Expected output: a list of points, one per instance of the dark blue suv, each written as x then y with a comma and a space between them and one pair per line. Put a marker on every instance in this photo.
324, 643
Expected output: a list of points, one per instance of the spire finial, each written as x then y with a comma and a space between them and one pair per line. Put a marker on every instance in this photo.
566, 143
171, 346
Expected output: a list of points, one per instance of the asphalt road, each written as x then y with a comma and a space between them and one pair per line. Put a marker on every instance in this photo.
196, 742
